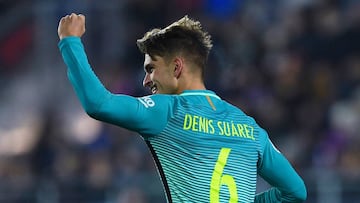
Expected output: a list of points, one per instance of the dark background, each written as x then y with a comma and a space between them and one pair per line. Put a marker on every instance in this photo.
293, 65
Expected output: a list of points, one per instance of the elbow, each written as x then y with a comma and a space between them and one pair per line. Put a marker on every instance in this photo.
91, 110
92, 113
96, 111
95, 107
294, 196
301, 194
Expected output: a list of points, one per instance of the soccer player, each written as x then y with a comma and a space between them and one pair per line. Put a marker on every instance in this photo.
205, 149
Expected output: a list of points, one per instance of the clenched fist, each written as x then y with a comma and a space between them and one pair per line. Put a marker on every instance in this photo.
71, 25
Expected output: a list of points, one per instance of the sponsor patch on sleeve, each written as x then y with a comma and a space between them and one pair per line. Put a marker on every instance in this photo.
147, 101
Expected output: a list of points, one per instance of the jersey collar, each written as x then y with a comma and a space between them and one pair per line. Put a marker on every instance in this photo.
199, 93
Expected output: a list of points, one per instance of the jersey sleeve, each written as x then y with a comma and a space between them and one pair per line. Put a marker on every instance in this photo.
273, 167
146, 115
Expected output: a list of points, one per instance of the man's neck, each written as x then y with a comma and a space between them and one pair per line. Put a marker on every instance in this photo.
195, 84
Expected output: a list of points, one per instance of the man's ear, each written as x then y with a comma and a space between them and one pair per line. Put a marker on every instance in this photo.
179, 65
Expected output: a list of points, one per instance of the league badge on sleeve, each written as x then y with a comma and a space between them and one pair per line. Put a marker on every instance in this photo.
147, 101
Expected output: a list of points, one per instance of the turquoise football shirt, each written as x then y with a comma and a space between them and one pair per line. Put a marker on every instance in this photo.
205, 149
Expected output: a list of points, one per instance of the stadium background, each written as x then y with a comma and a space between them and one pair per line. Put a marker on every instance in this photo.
293, 65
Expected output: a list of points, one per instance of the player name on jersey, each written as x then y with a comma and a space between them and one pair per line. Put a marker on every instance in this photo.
225, 128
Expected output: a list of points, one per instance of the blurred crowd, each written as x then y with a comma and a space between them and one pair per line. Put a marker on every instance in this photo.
292, 65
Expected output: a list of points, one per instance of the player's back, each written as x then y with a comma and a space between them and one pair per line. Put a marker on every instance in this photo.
208, 150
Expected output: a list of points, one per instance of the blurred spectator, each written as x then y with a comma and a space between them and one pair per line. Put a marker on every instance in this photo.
293, 65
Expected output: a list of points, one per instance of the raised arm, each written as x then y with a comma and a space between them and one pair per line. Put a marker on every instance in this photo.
125, 111
287, 185
87, 86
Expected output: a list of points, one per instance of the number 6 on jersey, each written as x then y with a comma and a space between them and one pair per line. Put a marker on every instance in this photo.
218, 179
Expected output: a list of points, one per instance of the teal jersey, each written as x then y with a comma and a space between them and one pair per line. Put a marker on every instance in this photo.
206, 149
